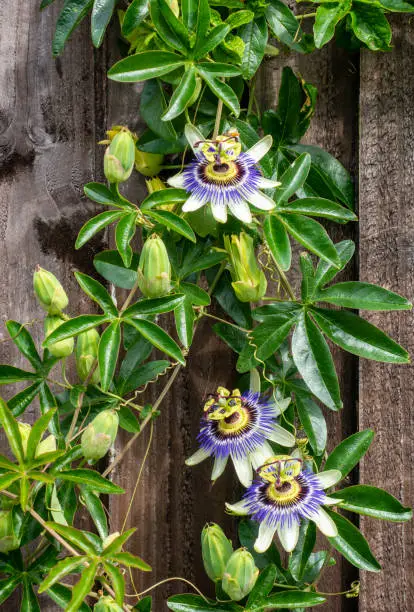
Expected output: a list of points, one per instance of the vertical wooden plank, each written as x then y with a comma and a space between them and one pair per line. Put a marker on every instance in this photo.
386, 258
334, 128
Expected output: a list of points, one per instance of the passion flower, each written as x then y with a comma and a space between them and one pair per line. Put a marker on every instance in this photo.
240, 427
222, 175
283, 495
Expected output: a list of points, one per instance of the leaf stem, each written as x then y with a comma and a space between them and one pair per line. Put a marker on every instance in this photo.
283, 279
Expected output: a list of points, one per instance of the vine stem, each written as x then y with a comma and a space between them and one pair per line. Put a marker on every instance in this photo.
157, 584
283, 279
218, 117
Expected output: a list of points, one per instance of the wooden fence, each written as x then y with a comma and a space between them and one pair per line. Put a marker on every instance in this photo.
52, 113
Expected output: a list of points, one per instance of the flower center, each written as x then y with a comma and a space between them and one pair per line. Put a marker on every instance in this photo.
221, 172
285, 493
234, 423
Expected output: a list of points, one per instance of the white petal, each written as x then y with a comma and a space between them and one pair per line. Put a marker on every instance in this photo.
254, 384
325, 523
281, 436
193, 136
244, 470
219, 467
288, 536
193, 203
265, 537
296, 453
262, 201
329, 478
332, 501
219, 212
260, 148
239, 508
241, 211
177, 180
261, 455
265, 183
198, 457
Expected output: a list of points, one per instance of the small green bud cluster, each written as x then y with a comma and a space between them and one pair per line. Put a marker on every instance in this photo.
107, 604
99, 435
249, 281
154, 269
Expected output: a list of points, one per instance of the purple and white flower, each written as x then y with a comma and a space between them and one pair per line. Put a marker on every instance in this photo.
224, 176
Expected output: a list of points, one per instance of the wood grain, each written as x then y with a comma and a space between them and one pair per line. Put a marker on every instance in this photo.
386, 257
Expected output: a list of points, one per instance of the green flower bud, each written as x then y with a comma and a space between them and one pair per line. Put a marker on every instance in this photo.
154, 270
24, 429
60, 349
216, 550
240, 575
249, 281
8, 538
86, 354
148, 164
119, 157
50, 293
107, 604
99, 435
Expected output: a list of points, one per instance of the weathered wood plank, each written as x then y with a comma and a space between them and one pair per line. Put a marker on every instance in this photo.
386, 257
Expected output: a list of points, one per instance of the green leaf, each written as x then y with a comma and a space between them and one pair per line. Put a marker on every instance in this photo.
313, 421
249, 138
195, 294
97, 293
219, 70
83, 476
293, 178
196, 16
319, 207
102, 195
299, 557
19, 402
352, 545
168, 27
144, 66
117, 543
125, 231
278, 241
82, 588
199, 258
359, 337
362, 296
182, 95
173, 222
268, 336
6, 464
62, 568
12, 432
312, 236
211, 41
129, 560
96, 510
142, 375
397, 6
285, 26
254, 35
95, 225
248, 531
292, 600
158, 337
24, 342
195, 603
222, 91
325, 271
36, 433
8, 479
144, 605
109, 264
164, 196
134, 15
370, 25
10, 374
308, 277
75, 326
264, 584
101, 15
239, 18
371, 501
8, 586
61, 595
184, 322
152, 106
117, 581
154, 306
108, 351
349, 452
314, 361
326, 19
72, 14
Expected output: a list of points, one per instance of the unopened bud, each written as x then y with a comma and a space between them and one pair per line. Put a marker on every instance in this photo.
107, 604
154, 270
148, 164
119, 157
249, 282
24, 430
60, 349
86, 355
240, 575
8, 538
99, 435
50, 293
216, 550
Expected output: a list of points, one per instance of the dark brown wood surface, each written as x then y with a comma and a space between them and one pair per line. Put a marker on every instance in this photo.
52, 113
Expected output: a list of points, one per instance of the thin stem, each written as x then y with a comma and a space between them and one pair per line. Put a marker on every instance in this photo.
305, 16
251, 95
210, 316
217, 278
154, 586
283, 279
218, 118
53, 533
79, 403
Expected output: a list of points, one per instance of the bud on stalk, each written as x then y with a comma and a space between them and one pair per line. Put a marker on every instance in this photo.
216, 550
154, 270
99, 435
249, 281
107, 604
60, 349
8, 539
119, 157
240, 575
50, 293
86, 355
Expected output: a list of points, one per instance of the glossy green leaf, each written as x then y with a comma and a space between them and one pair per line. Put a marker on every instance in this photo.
326, 19
134, 15
154, 306
152, 105
325, 271
312, 236
95, 225
6, 464
285, 26
211, 41
144, 604
168, 27
357, 336
158, 337
293, 178
352, 545
75, 326
370, 25
300, 556
254, 35
129, 560
318, 207
397, 6
10, 374
195, 294
240, 312
371, 501
268, 336
307, 286
287, 308
64, 567
182, 95
219, 70
222, 91
142, 375
61, 595
184, 322
362, 296
195, 603
36, 433
278, 241
97, 293
8, 479
83, 476
82, 588
164, 196
24, 342
101, 15
12, 432
196, 15
125, 231
7, 587
349, 452
109, 264
71, 15
117, 543
314, 361
249, 138
313, 422
96, 511
264, 584
117, 581
292, 600
108, 351
198, 258
144, 66
102, 195
173, 222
